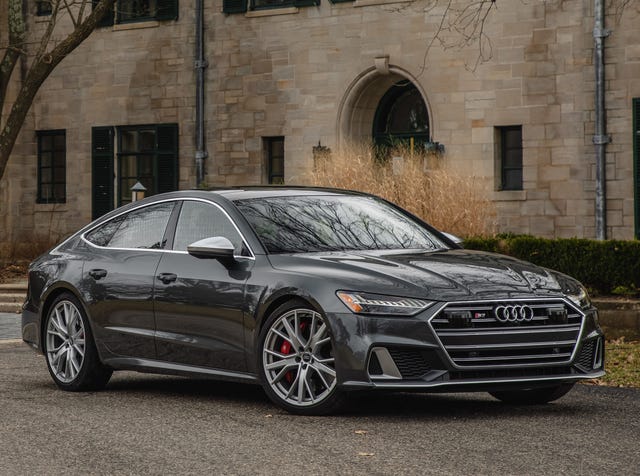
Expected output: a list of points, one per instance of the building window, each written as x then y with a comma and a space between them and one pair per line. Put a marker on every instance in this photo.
129, 11
401, 117
148, 154
240, 6
509, 142
52, 158
636, 164
43, 8
274, 152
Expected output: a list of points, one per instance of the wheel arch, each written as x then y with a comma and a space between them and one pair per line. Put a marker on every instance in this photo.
278, 299
51, 295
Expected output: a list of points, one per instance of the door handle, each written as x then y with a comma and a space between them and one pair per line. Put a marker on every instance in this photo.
98, 273
167, 278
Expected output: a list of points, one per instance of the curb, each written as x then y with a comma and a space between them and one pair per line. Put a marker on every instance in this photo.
10, 341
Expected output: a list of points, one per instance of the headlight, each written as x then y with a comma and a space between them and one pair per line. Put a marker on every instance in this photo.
378, 304
580, 297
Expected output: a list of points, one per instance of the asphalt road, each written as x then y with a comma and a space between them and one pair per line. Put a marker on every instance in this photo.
145, 424
9, 325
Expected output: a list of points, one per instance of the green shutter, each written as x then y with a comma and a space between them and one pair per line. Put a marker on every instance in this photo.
306, 3
107, 20
234, 6
167, 10
101, 170
167, 164
636, 164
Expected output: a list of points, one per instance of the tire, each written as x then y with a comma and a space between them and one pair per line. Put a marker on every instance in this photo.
536, 396
69, 348
296, 361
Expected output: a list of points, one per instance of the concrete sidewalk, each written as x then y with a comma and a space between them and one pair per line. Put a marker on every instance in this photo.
10, 326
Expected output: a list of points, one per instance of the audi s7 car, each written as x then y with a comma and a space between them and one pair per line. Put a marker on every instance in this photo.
311, 293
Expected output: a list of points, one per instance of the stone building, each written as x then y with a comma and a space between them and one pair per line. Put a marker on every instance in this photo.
286, 75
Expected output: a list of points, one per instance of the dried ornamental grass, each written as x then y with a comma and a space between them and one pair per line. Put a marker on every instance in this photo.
447, 199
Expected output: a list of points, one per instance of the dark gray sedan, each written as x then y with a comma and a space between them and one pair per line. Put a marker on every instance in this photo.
311, 293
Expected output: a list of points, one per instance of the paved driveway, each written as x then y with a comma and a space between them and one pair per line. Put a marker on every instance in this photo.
9, 326
164, 425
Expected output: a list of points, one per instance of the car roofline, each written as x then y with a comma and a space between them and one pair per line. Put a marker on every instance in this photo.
284, 188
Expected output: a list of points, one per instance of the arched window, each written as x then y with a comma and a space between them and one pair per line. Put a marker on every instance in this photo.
401, 116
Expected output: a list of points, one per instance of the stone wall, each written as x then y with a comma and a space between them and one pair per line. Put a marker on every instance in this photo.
310, 75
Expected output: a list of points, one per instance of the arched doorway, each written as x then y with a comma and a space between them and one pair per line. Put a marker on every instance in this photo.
381, 107
401, 117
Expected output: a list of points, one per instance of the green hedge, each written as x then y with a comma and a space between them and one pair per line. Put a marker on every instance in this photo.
605, 267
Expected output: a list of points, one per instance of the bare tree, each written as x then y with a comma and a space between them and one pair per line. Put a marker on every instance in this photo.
461, 25
39, 55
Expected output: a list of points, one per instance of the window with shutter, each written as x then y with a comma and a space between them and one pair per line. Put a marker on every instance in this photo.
147, 154
636, 164
106, 20
234, 6
265, 4
130, 11
101, 170
43, 8
167, 10
167, 138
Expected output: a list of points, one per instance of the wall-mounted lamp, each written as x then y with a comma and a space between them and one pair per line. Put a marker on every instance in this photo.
434, 147
137, 192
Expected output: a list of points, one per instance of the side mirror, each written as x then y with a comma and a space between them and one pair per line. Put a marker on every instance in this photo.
456, 239
216, 247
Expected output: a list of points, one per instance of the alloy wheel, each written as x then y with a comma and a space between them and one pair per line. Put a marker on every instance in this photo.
65, 341
298, 360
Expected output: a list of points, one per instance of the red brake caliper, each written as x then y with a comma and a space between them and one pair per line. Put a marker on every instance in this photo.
286, 349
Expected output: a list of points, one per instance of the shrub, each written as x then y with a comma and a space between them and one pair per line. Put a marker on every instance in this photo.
603, 266
448, 200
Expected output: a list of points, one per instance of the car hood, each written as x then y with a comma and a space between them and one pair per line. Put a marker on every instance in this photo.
441, 275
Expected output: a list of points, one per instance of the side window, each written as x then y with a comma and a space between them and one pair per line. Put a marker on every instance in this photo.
142, 228
200, 220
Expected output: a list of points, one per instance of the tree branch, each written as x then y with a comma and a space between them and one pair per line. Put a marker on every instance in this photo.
14, 49
40, 69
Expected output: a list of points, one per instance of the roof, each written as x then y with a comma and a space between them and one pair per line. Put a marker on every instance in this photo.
262, 191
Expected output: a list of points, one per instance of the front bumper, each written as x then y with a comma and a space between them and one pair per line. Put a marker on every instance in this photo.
407, 353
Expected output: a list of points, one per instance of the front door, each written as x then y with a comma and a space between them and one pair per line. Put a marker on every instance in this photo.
199, 303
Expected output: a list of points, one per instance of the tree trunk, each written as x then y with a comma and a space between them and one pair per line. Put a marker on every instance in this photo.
38, 72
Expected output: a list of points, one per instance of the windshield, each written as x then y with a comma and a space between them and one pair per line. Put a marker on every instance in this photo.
299, 224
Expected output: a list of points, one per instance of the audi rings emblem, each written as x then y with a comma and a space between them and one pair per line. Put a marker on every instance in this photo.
514, 313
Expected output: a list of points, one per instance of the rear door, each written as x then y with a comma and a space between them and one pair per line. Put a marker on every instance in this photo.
199, 303
118, 278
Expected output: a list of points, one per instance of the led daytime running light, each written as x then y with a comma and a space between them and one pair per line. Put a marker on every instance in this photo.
364, 303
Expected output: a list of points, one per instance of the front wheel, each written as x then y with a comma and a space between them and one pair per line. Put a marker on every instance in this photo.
71, 353
296, 361
534, 396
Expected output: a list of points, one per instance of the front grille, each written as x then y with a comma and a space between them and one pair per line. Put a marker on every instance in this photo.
410, 362
530, 332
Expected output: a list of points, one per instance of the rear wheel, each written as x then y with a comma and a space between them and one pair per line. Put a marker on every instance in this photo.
533, 396
71, 353
296, 361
